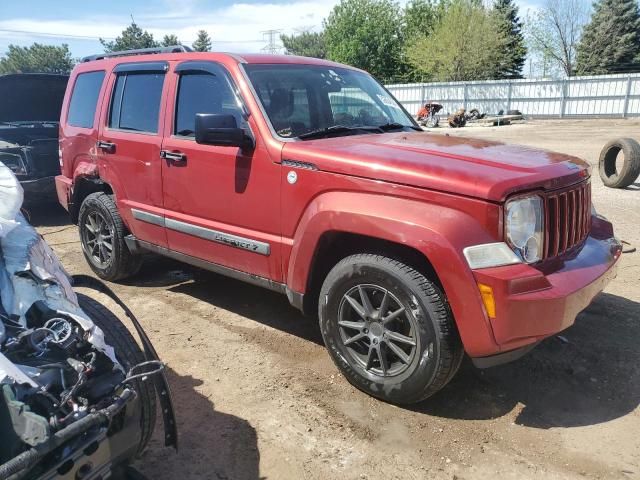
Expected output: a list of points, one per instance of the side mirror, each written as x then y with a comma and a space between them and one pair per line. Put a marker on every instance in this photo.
221, 130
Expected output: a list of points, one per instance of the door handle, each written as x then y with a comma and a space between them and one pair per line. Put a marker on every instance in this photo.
106, 146
174, 158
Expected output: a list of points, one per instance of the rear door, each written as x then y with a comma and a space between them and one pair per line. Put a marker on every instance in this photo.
129, 146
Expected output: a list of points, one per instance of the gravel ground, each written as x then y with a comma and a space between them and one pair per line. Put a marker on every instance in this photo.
258, 397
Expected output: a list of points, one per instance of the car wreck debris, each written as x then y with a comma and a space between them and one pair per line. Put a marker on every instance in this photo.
62, 383
428, 115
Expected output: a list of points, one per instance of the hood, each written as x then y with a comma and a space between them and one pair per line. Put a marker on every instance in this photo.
470, 167
31, 96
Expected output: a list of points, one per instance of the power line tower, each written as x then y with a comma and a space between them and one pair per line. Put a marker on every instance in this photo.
271, 37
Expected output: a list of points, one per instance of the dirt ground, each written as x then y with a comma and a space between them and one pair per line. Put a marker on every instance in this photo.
258, 397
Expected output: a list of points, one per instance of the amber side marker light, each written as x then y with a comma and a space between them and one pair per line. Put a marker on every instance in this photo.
486, 292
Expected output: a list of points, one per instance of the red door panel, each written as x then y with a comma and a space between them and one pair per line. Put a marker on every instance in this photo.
221, 204
130, 162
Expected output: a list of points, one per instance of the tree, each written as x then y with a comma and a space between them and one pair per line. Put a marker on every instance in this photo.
132, 37
514, 49
611, 40
37, 58
307, 44
421, 16
170, 40
203, 42
555, 30
468, 47
366, 34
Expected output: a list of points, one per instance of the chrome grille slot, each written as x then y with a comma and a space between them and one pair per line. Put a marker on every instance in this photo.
567, 218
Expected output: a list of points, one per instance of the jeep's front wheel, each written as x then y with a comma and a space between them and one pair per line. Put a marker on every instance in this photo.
102, 235
388, 328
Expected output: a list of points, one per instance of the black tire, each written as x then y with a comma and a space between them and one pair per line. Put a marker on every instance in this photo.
122, 263
426, 317
630, 169
129, 354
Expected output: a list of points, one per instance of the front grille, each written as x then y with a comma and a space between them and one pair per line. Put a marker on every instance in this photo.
567, 219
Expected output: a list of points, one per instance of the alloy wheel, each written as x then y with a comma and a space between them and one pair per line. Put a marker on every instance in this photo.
378, 331
98, 239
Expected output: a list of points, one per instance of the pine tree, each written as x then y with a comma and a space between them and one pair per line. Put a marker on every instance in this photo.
132, 37
611, 41
514, 49
203, 42
170, 40
306, 44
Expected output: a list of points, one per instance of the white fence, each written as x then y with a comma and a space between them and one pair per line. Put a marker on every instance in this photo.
597, 96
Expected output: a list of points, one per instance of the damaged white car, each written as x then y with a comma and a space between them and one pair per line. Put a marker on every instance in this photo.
77, 392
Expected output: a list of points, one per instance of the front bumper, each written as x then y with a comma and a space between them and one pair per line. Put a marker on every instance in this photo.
533, 303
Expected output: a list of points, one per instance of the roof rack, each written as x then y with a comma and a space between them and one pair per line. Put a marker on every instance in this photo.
139, 51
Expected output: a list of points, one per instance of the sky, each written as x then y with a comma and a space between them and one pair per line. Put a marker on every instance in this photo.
234, 26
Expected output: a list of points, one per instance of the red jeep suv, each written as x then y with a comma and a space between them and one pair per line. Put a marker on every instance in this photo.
307, 177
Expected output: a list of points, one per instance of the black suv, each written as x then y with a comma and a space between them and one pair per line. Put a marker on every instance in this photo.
29, 116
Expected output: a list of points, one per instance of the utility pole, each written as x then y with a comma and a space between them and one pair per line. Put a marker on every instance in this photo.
271, 37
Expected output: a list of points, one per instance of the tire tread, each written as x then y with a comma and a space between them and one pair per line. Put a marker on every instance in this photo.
451, 351
631, 168
126, 264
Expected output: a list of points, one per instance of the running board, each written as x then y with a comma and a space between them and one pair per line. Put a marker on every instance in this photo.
137, 246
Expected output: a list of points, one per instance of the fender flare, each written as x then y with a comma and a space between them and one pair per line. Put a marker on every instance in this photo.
90, 171
438, 232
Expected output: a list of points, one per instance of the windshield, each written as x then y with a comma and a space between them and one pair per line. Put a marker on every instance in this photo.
304, 100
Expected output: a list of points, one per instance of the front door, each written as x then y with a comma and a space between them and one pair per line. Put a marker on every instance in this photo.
129, 146
221, 203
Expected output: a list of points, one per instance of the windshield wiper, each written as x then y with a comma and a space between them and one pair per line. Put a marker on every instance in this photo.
337, 129
396, 126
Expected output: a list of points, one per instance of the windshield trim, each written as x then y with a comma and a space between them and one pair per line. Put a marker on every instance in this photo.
267, 120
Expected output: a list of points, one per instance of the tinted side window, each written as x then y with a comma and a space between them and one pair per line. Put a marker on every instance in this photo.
203, 93
82, 107
135, 104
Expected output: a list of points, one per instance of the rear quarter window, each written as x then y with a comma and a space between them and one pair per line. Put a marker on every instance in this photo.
84, 99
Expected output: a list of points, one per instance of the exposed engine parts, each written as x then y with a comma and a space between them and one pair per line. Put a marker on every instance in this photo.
61, 383
50, 376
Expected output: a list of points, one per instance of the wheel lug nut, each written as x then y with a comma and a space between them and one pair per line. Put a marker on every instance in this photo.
375, 341
366, 330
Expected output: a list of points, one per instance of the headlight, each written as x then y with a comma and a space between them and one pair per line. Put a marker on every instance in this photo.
14, 162
524, 227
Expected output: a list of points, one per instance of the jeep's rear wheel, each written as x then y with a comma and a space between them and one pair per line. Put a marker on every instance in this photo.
102, 235
388, 328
